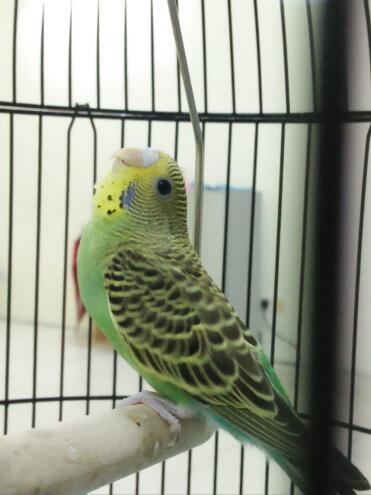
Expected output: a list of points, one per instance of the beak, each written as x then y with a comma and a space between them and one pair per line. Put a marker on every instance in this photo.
134, 157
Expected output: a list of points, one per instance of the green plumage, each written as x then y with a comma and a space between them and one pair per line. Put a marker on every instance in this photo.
144, 285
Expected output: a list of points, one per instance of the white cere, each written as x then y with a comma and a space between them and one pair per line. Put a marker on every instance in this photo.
134, 157
149, 157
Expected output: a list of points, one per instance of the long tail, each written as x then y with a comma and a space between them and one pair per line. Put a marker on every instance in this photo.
347, 476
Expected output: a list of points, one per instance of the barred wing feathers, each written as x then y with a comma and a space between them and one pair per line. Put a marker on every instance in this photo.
179, 327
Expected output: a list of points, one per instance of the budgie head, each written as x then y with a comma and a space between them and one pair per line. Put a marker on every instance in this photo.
144, 190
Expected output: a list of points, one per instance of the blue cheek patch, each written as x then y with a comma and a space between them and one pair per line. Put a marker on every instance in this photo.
127, 197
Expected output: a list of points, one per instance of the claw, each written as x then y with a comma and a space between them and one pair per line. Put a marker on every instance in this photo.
167, 410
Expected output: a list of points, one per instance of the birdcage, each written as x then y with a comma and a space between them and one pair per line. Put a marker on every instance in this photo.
81, 79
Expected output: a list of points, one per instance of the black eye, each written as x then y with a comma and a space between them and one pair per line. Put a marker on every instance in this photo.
164, 187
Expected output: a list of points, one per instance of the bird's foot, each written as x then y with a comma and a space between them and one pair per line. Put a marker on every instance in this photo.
167, 410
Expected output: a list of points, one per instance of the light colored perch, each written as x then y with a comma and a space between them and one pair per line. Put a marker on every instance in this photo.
76, 457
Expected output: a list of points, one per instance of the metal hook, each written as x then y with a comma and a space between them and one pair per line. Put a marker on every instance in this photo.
173, 11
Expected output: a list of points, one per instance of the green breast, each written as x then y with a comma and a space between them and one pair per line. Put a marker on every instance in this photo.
90, 269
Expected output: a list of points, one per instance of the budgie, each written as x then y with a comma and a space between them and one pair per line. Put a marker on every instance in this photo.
144, 285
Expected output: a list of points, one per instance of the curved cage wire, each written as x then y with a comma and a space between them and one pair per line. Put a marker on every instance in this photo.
82, 79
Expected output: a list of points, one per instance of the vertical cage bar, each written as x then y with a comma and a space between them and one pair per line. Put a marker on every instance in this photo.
114, 377
250, 260
278, 244
126, 96
65, 263
231, 52
90, 326
368, 26
37, 274
10, 273
303, 258
70, 61
276, 271
312, 55
98, 56
189, 470
242, 468
14, 58
216, 453
176, 141
38, 232
227, 202
224, 267
356, 293
152, 61
194, 119
204, 53
329, 175
252, 226
258, 55
189, 473
189, 459
285, 57
163, 477
114, 393
88, 366
179, 93
42, 57
302, 266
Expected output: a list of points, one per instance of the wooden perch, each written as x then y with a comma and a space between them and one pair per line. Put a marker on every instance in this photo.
80, 456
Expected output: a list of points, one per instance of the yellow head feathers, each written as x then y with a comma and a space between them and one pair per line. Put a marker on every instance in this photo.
113, 194
145, 186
